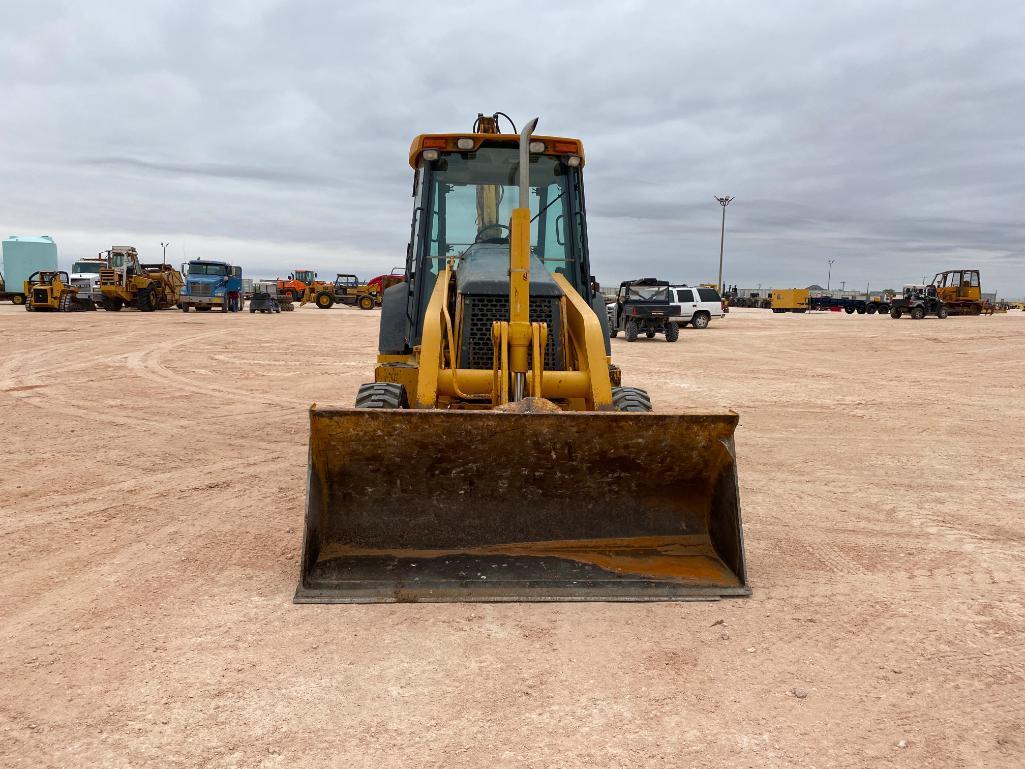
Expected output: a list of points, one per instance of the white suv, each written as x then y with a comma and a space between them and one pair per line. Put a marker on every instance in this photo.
698, 305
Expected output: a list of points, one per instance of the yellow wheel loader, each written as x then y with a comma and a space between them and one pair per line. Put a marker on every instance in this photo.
496, 457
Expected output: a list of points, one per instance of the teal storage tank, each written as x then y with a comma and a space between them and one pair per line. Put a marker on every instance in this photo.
21, 257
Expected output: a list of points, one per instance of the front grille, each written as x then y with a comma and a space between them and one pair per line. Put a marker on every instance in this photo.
108, 278
200, 289
479, 312
42, 296
82, 284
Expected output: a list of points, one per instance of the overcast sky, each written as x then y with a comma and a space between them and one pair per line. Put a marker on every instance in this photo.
889, 136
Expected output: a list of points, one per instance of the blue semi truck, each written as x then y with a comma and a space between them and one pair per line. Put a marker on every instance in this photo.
210, 284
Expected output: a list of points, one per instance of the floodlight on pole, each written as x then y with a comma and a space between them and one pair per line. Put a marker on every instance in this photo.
164, 257
829, 275
724, 201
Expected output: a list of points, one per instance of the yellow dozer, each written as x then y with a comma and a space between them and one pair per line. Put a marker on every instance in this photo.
496, 456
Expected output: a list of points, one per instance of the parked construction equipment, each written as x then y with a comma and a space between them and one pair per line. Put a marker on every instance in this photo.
487, 461
147, 287
52, 290
297, 284
347, 289
960, 291
210, 284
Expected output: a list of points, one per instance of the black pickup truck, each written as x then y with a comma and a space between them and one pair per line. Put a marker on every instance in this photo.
643, 306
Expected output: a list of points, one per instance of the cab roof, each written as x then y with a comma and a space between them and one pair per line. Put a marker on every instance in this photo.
554, 145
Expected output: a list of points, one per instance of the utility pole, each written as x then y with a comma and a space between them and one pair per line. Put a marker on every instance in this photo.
164, 246
829, 275
724, 201
843, 285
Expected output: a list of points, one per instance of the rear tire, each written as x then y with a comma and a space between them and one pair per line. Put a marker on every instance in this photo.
700, 320
941, 312
672, 332
366, 302
185, 308
849, 310
917, 313
382, 395
112, 304
895, 313
324, 301
631, 331
871, 309
17, 299
631, 399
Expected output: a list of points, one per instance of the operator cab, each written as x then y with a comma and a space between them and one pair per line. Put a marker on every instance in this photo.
465, 189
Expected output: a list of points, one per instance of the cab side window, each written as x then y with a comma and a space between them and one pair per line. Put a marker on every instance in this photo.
684, 295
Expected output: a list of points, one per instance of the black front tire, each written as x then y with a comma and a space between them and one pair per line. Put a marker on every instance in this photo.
895, 313
917, 313
145, 301
631, 399
942, 312
382, 395
672, 332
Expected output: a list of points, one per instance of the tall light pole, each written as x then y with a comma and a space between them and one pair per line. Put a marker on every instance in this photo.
164, 257
843, 285
724, 201
829, 275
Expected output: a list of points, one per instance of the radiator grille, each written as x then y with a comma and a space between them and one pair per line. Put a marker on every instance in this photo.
108, 278
197, 288
479, 312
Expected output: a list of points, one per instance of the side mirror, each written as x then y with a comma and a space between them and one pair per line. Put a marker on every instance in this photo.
291, 277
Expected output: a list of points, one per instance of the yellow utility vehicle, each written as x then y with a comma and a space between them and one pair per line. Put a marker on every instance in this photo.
790, 300
147, 287
496, 455
52, 290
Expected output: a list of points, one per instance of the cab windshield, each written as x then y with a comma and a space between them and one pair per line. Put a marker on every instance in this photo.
474, 194
198, 268
649, 293
91, 268
305, 276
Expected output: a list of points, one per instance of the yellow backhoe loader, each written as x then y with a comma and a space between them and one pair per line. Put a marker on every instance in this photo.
496, 456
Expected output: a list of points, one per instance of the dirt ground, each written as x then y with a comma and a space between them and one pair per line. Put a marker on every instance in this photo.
151, 504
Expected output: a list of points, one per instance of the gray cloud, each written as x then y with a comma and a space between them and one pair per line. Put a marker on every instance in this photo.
884, 135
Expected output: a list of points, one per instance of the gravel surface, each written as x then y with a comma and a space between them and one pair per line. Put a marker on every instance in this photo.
151, 504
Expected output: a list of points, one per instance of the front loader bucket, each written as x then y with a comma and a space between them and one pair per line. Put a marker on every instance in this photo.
411, 505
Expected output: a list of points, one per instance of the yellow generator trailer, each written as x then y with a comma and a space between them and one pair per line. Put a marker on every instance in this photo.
790, 300
147, 287
52, 290
496, 455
